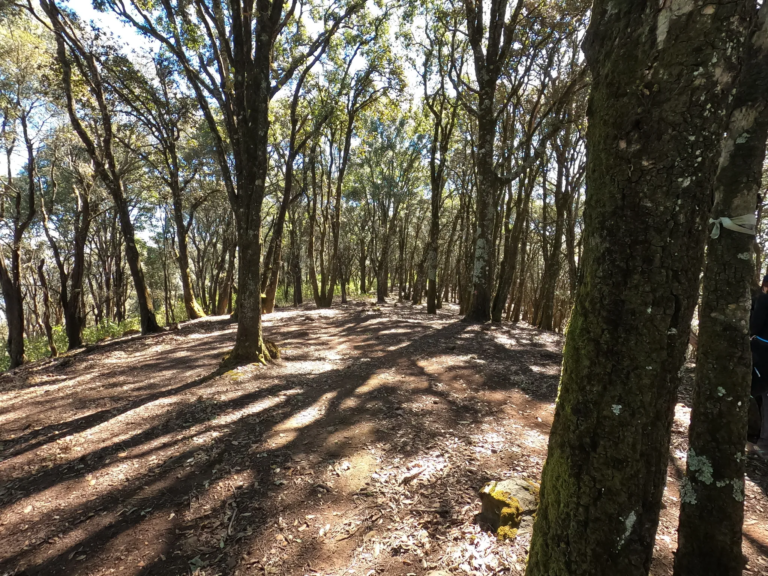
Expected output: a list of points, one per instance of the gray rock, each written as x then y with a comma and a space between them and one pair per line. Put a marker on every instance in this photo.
508, 502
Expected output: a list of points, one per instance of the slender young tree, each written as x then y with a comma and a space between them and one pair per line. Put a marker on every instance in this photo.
443, 110
46, 308
657, 112
71, 49
297, 140
22, 194
712, 491
161, 107
71, 269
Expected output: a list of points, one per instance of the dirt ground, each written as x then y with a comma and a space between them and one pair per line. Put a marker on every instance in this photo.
360, 452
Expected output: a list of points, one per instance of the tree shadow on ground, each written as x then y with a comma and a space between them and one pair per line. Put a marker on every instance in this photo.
184, 444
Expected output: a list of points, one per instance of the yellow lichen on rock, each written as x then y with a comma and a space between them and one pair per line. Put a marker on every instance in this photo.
506, 503
511, 515
506, 533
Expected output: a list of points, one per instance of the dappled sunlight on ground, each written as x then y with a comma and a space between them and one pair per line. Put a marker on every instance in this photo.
361, 450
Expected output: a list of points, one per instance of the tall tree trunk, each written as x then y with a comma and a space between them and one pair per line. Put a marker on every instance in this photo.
71, 297
487, 185
312, 209
432, 255
295, 267
382, 272
363, 258
225, 292
419, 283
14, 316
512, 238
271, 275
193, 309
654, 92
103, 157
712, 493
143, 297
46, 308
570, 244
517, 309
553, 262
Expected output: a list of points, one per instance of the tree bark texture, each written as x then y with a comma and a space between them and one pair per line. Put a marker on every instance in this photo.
712, 492
14, 315
662, 76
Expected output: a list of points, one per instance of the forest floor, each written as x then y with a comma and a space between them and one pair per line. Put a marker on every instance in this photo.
360, 452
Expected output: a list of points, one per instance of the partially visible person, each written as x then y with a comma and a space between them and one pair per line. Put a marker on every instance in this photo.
758, 329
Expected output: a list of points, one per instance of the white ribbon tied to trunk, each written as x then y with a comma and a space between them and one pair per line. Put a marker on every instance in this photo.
746, 224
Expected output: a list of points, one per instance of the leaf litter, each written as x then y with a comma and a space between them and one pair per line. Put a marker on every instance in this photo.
360, 452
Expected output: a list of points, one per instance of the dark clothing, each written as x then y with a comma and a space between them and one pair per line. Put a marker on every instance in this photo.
758, 327
758, 320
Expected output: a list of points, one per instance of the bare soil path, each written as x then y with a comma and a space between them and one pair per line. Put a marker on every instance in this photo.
360, 452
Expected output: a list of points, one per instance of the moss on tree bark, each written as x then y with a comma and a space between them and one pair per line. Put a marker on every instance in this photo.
662, 77
712, 494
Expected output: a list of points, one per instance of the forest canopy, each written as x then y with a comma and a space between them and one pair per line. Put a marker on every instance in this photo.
387, 148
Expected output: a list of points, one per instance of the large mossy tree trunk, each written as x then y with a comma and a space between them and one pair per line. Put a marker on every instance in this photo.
712, 493
657, 112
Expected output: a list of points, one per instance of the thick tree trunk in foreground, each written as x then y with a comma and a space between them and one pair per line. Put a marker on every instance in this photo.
656, 115
712, 493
